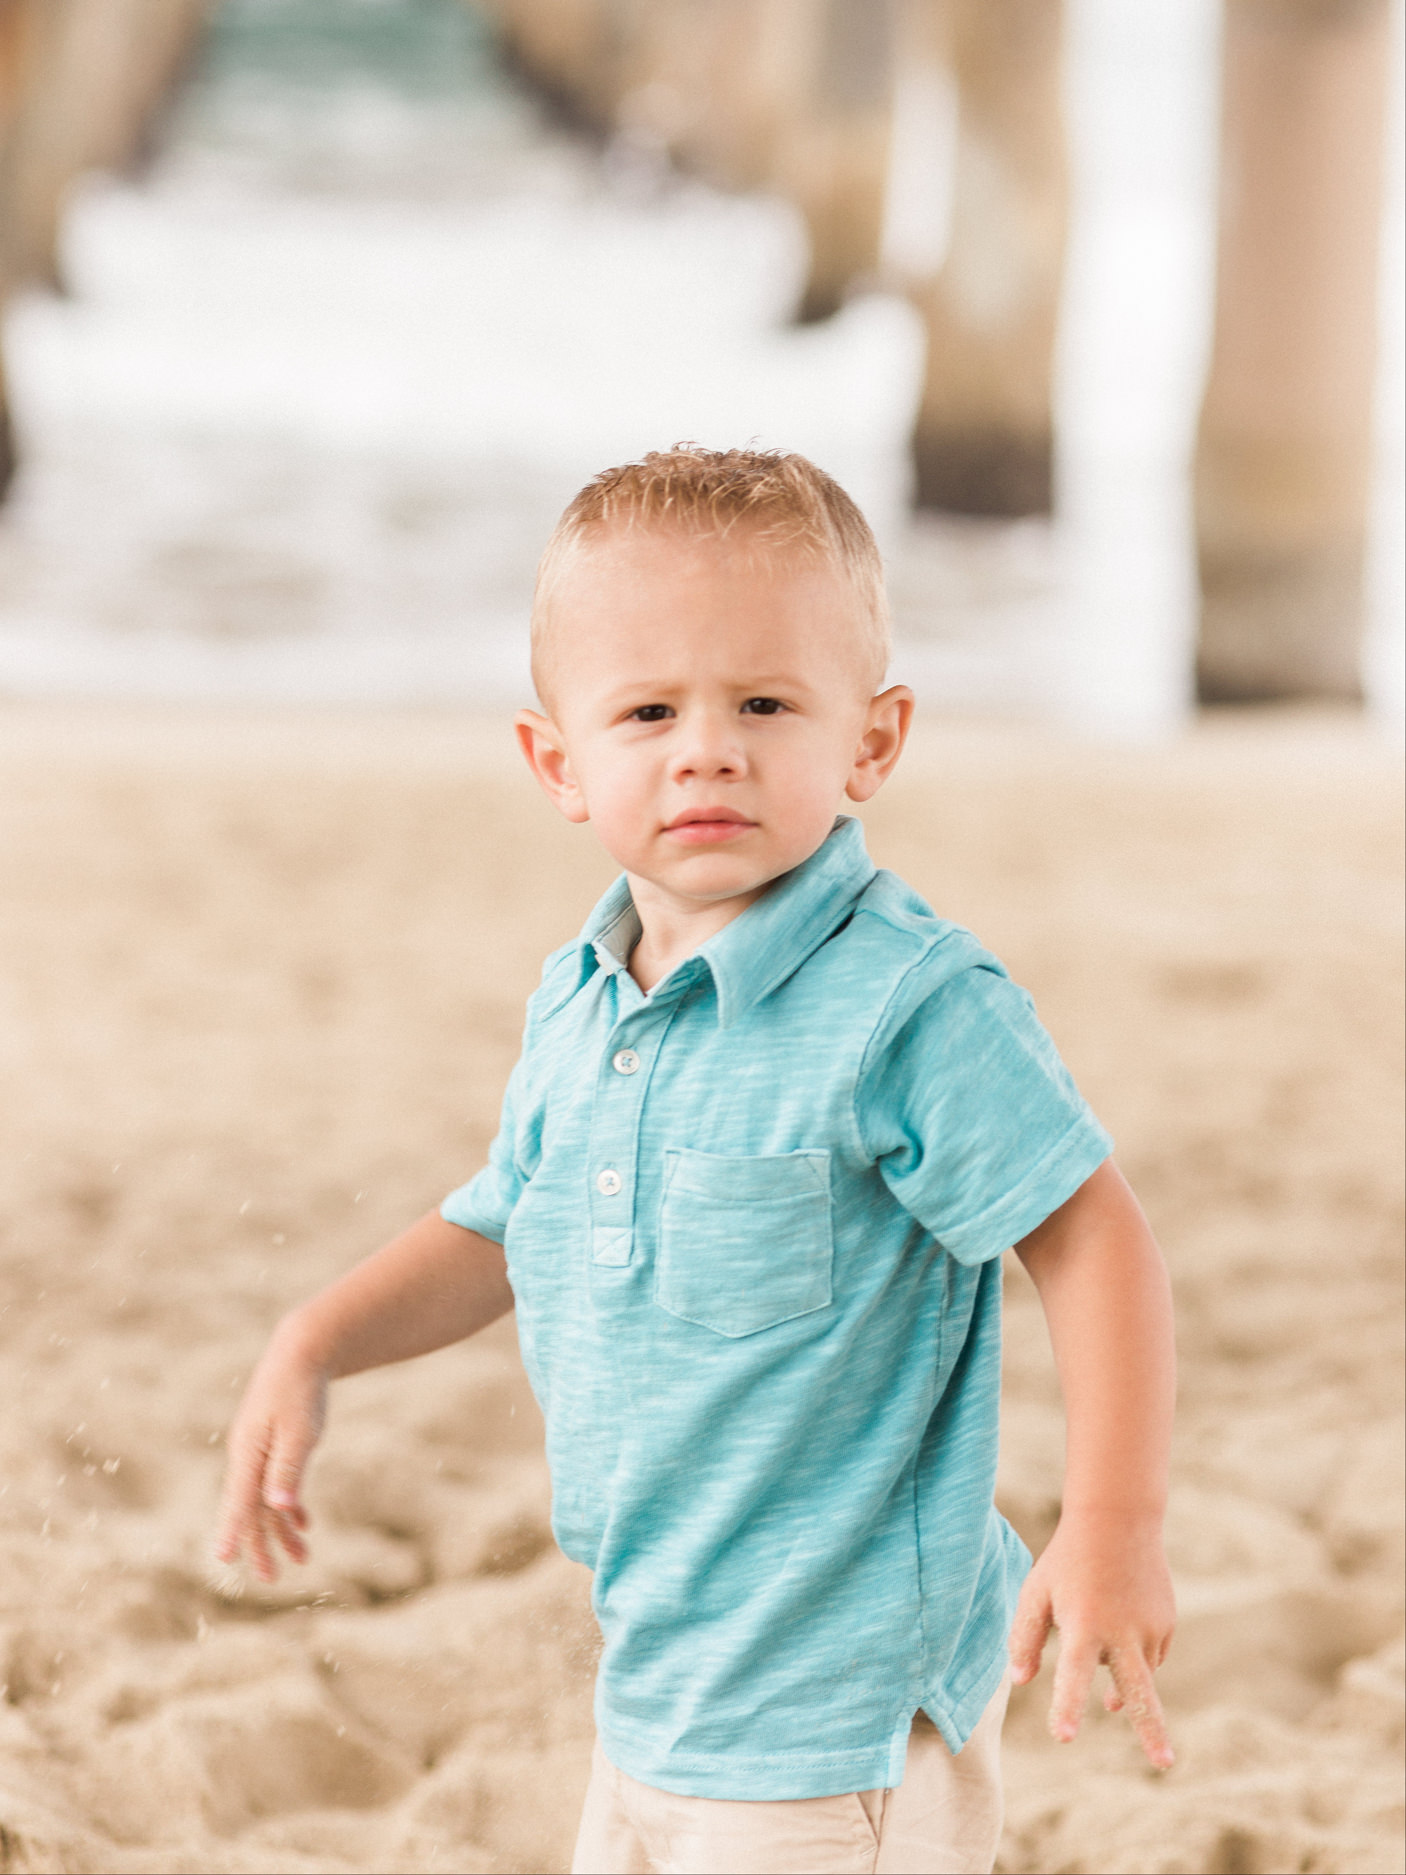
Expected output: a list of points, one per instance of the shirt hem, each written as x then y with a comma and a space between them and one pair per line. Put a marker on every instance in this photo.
784, 1777
769, 1779
956, 1722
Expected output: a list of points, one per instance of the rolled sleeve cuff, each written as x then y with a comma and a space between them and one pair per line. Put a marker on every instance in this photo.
1075, 1156
466, 1207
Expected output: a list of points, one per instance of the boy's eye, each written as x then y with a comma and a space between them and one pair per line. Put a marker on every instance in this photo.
762, 706
650, 713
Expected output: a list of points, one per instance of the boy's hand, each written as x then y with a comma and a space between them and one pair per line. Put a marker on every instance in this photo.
279, 1422
1107, 1588
434, 1284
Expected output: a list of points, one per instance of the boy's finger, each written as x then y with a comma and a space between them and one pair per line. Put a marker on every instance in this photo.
1138, 1696
1029, 1632
239, 1502
260, 1554
283, 1476
229, 1539
1074, 1675
289, 1535
226, 1530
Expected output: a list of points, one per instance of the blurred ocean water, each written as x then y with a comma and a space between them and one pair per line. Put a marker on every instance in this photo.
326, 372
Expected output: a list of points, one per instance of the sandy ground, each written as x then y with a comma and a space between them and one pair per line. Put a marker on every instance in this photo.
260, 984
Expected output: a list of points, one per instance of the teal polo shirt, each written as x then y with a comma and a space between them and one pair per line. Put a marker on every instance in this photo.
753, 1223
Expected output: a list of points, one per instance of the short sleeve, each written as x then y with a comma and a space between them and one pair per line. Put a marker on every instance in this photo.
486, 1203
974, 1121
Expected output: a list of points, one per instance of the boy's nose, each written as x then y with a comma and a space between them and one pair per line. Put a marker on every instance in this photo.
708, 750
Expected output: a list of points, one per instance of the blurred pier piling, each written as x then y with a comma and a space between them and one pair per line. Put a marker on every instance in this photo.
788, 94
80, 84
798, 96
983, 443
1284, 457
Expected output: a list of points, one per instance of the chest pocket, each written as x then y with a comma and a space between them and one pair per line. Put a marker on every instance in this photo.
744, 1242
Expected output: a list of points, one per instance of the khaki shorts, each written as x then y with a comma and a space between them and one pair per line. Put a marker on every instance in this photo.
943, 1819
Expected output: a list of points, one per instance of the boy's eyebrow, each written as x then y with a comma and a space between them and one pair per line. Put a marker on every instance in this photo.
766, 683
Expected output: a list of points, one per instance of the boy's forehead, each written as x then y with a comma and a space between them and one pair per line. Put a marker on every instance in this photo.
659, 602
659, 613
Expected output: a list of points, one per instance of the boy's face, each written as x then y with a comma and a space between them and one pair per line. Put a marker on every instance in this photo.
709, 710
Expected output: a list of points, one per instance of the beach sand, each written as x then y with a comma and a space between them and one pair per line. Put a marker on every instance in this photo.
261, 977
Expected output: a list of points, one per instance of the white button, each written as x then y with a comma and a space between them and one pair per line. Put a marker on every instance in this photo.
608, 1183
626, 1061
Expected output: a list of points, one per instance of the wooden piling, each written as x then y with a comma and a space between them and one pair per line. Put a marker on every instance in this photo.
569, 50
80, 83
748, 66
91, 76
669, 61
15, 28
1284, 452
983, 440
832, 144
786, 94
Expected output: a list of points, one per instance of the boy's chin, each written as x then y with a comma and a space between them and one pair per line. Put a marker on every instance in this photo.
706, 878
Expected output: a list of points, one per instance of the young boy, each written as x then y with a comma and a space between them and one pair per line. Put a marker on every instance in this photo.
773, 1125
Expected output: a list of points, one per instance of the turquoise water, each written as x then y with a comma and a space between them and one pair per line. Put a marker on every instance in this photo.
355, 97
417, 49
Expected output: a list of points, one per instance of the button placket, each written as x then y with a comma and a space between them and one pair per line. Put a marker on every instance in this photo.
614, 1139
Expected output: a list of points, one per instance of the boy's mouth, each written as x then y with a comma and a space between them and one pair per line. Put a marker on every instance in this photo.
705, 826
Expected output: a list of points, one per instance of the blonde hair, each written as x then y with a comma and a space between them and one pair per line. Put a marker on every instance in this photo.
777, 500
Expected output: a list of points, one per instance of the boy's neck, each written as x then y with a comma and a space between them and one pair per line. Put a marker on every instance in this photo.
672, 929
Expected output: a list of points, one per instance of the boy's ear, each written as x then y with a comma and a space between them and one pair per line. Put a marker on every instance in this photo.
541, 742
886, 727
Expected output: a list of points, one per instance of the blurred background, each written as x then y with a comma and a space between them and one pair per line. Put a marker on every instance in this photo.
319, 310
316, 312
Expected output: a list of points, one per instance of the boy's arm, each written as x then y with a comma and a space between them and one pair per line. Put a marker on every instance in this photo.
434, 1284
1103, 1579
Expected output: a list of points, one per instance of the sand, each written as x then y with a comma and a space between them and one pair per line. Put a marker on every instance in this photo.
260, 984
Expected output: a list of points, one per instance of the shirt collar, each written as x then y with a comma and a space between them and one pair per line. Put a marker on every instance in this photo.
755, 953
614, 928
